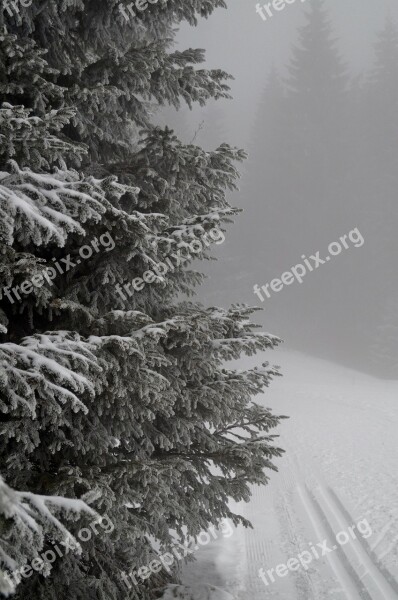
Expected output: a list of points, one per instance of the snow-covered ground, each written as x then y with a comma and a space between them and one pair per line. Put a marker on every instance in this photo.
340, 471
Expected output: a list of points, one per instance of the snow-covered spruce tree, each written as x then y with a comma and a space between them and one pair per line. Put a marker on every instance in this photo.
106, 393
26, 520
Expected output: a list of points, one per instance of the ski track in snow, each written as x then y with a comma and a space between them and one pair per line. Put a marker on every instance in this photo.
340, 468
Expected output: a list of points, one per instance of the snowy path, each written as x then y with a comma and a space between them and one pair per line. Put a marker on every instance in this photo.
340, 470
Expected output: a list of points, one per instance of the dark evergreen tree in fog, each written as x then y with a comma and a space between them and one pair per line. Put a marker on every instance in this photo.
300, 137
384, 342
266, 185
316, 116
298, 166
215, 125
323, 160
381, 185
384, 93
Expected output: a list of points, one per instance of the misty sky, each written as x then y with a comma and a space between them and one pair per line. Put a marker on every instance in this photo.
291, 208
238, 41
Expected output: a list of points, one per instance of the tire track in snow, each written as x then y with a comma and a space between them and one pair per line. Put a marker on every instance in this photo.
261, 549
341, 561
364, 546
304, 584
325, 513
349, 586
264, 548
371, 548
294, 480
313, 470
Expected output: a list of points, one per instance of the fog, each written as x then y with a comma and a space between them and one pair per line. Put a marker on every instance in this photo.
314, 105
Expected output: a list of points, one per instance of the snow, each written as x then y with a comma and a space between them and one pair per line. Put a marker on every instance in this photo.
32, 519
198, 592
340, 468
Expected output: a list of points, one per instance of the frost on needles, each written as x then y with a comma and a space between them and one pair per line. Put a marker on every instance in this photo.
127, 403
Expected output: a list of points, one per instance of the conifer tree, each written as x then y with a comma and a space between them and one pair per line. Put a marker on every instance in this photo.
316, 115
26, 520
267, 184
384, 342
215, 125
263, 189
299, 140
108, 393
380, 185
301, 168
384, 92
